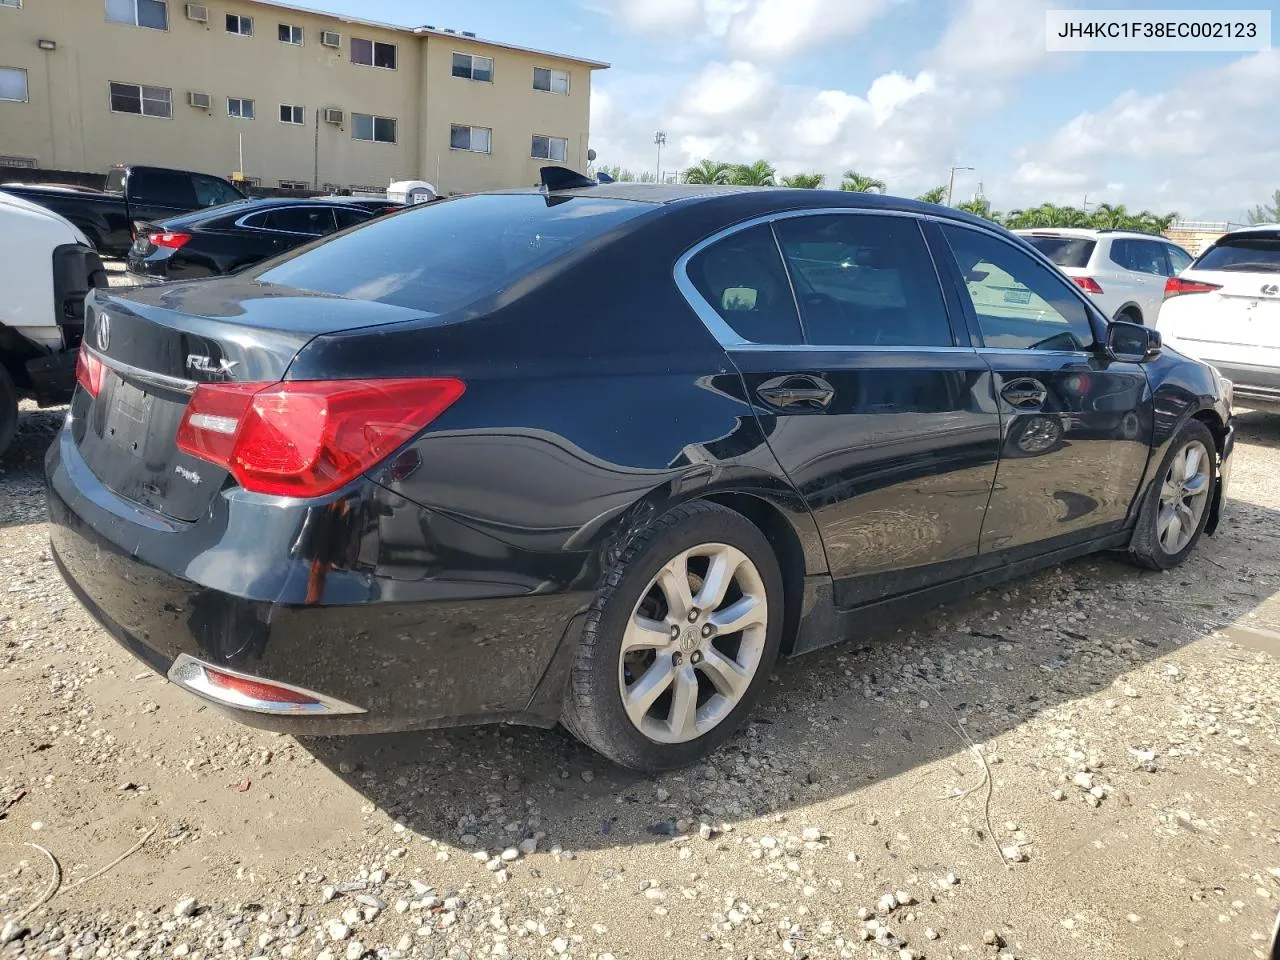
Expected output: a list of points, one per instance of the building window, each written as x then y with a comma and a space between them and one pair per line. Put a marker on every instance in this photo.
549, 148
375, 129
26, 163
15, 4
552, 81
13, 84
372, 53
139, 13
294, 185
473, 68
147, 101
475, 139
241, 25
239, 108
291, 113
290, 34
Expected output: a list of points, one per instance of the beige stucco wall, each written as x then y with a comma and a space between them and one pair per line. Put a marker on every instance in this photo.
67, 123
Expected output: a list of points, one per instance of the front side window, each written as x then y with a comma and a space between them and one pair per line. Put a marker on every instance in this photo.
473, 68
864, 280
551, 81
1019, 303
373, 53
744, 281
291, 113
475, 139
290, 34
239, 25
365, 126
549, 148
153, 14
210, 191
239, 108
13, 84
141, 99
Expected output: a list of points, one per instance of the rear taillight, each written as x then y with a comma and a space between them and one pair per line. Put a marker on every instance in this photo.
307, 438
1176, 286
1087, 284
171, 241
89, 371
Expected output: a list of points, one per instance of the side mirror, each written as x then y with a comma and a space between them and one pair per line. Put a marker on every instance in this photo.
1132, 342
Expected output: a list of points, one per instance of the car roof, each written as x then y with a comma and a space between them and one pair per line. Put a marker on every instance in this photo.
1262, 228
1088, 233
252, 205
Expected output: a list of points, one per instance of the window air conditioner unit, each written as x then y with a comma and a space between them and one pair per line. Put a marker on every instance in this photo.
333, 115
200, 101
330, 38
198, 12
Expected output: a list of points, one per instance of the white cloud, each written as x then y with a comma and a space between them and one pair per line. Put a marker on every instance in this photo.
782, 28
728, 90
994, 38
661, 16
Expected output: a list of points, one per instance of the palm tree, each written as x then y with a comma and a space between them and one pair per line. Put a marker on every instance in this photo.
936, 195
981, 207
804, 181
758, 174
856, 182
708, 171
1109, 217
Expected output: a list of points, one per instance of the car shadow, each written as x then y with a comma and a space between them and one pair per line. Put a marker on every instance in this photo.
22, 465
839, 719
1258, 428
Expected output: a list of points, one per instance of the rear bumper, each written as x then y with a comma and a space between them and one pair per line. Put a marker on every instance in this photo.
411, 654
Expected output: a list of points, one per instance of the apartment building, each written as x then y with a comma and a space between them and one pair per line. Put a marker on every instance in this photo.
306, 99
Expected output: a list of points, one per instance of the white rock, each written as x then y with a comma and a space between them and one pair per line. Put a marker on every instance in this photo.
887, 903
990, 938
811, 834
355, 950
1058, 795
904, 899
185, 907
528, 845
1014, 853
930, 933
337, 930
706, 831
904, 954
1083, 780
351, 916
419, 887
11, 931
560, 945
510, 854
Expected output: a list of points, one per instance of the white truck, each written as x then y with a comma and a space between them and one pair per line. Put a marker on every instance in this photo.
46, 267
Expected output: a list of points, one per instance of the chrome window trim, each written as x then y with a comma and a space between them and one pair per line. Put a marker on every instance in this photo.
149, 377
728, 338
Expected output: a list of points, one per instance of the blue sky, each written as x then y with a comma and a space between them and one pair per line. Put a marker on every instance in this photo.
903, 89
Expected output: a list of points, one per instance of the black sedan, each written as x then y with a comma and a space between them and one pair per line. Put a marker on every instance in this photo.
599, 454
230, 237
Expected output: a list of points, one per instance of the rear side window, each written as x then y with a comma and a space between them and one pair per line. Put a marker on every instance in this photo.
1071, 252
349, 218
1140, 256
1020, 303
1243, 253
864, 280
1179, 259
164, 187
313, 221
444, 255
743, 279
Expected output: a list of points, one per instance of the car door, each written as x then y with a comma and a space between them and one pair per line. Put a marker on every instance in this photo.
1076, 424
882, 421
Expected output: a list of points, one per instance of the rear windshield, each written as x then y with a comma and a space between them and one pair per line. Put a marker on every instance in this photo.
1064, 251
440, 256
1246, 254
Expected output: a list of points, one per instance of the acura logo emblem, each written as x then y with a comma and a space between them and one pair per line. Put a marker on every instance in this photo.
104, 331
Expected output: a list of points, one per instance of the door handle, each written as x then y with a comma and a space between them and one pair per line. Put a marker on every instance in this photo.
811, 392
1024, 393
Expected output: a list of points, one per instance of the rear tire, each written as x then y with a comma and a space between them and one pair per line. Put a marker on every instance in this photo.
8, 410
1176, 508
685, 681
1129, 315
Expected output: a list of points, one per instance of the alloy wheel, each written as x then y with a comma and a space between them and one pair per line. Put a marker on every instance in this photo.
693, 643
1184, 494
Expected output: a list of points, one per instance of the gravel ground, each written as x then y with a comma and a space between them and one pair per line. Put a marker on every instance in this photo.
1129, 724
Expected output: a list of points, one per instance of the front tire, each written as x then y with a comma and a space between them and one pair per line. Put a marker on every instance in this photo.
680, 641
1176, 508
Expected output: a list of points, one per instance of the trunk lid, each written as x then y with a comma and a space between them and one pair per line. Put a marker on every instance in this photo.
159, 343
1243, 314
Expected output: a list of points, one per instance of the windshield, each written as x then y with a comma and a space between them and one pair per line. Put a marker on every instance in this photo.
440, 256
1064, 251
1245, 254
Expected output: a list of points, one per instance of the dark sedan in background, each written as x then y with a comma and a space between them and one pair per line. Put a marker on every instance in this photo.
602, 453
230, 237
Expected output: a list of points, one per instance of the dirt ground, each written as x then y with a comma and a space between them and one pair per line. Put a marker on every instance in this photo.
1129, 722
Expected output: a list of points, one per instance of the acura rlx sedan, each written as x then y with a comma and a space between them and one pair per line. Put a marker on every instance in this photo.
599, 454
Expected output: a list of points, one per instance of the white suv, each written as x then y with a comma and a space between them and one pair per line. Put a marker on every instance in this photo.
1122, 270
1225, 310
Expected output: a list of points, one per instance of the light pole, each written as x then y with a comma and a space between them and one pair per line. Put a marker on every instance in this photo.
659, 139
951, 182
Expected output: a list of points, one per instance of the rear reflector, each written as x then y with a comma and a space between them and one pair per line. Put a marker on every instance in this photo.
172, 241
89, 371
1176, 286
251, 693
1087, 284
308, 438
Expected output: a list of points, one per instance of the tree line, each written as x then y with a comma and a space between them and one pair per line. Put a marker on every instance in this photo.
763, 174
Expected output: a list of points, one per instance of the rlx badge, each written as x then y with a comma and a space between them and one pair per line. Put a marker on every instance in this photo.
205, 365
